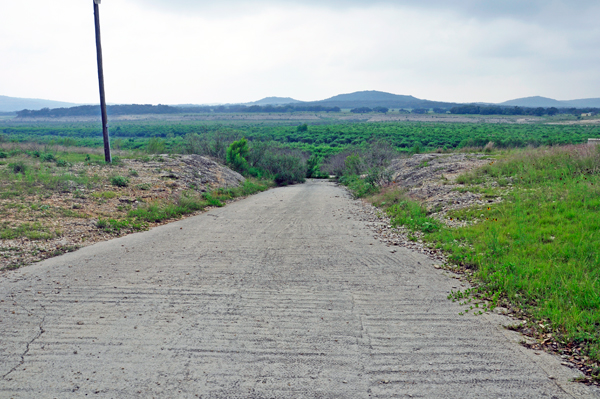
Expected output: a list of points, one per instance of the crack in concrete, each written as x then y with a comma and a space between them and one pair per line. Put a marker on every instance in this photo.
39, 334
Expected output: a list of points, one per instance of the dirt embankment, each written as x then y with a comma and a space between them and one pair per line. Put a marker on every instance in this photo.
431, 178
65, 218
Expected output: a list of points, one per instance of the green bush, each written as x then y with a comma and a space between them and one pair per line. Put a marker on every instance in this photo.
313, 167
48, 157
62, 163
236, 155
212, 201
119, 181
18, 167
213, 144
354, 164
285, 169
379, 177
358, 187
156, 146
3, 154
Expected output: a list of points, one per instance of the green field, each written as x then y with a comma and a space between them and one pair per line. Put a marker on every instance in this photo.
325, 138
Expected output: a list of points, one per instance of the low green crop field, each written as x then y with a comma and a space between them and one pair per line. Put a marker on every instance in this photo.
324, 137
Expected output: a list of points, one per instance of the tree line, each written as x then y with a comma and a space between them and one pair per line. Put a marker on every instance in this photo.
472, 109
144, 109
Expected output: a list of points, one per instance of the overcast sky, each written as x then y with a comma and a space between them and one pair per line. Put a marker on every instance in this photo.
196, 51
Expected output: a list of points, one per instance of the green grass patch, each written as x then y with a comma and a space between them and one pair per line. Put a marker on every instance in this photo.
248, 187
119, 181
157, 212
117, 226
190, 202
105, 194
540, 248
32, 231
405, 212
9, 194
211, 200
36, 179
71, 213
412, 215
359, 188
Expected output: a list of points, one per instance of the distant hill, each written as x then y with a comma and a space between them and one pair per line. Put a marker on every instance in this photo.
12, 104
274, 101
583, 103
545, 102
374, 98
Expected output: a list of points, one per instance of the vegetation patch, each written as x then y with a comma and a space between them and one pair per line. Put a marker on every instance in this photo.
536, 253
189, 202
119, 226
119, 181
32, 231
105, 194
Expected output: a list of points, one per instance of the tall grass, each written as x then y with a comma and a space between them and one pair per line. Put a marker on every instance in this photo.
540, 248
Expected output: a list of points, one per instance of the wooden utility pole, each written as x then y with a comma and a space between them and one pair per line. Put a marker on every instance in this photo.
107, 156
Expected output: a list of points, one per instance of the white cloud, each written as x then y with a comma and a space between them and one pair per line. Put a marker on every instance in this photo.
242, 51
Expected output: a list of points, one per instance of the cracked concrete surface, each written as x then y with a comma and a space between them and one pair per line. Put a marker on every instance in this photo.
40, 332
282, 295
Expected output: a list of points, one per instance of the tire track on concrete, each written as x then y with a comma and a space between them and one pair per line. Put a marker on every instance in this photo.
281, 295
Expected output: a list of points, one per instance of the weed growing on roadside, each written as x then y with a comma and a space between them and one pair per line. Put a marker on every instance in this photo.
189, 202
212, 201
359, 187
412, 215
119, 181
117, 226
